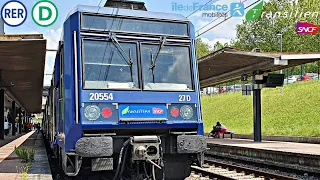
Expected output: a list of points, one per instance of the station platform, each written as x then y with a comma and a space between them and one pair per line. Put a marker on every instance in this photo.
302, 156
11, 166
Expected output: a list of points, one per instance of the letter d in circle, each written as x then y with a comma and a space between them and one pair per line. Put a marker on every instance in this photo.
42, 11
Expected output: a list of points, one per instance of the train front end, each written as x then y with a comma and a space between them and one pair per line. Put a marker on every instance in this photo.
137, 90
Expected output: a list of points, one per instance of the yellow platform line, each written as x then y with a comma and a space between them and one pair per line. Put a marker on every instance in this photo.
7, 149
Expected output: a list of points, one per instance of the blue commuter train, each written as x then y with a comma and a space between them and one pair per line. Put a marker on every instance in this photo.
124, 97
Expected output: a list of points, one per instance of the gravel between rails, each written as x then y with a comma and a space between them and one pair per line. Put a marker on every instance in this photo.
261, 168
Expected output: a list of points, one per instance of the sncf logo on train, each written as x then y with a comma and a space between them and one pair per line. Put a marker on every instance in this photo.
157, 111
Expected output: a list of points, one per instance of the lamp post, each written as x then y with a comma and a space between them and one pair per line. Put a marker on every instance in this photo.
1, 27
281, 88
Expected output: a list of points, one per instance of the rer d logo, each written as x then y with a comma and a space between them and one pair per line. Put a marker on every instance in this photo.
14, 13
44, 13
306, 28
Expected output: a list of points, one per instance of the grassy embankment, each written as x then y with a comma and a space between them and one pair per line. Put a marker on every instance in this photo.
296, 112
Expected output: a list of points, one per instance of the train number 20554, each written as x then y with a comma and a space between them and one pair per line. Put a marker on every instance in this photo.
101, 96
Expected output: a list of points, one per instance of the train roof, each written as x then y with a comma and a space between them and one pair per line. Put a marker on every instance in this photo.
127, 12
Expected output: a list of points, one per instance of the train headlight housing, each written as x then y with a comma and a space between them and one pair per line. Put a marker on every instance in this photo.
92, 112
186, 112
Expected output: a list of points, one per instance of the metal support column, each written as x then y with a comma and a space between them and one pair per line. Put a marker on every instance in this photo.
318, 69
13, 115
24, 121
1, 114
1, 26
257, 111
20, 120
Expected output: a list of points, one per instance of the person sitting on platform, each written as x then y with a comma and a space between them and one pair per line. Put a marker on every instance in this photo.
216, 130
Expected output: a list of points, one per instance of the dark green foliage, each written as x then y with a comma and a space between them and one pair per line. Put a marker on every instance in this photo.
262, 32
26, 154
203, 49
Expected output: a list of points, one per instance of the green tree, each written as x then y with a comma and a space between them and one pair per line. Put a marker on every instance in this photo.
203, 48
218, 46
262, 32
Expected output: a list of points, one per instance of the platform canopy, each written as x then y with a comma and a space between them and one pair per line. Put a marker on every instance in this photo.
22, 62
229, 64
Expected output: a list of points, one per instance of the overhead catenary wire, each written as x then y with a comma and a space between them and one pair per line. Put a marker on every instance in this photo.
221, 21
199, 8
95, 13
215, 19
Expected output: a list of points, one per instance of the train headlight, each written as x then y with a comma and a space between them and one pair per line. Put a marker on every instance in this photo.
186, 112
92, 112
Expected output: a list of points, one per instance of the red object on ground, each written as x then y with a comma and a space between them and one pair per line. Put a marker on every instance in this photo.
306, 77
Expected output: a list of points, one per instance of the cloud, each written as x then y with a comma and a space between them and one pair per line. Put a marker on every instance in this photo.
53, 38
213, 42
227, 29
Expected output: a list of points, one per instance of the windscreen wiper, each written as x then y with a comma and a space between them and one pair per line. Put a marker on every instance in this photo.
153, 61
123, 53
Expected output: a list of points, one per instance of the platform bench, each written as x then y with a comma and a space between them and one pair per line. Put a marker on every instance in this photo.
229, 132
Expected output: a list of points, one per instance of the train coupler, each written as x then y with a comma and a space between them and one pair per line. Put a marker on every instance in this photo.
145, 148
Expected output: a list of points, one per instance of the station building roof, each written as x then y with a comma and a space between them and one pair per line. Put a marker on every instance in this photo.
229, 64
22, 62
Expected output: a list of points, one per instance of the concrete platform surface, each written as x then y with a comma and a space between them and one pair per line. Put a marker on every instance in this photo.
7, 149
300, 148
40, 168
11, 166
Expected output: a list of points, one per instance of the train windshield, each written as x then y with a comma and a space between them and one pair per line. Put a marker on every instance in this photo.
166, 68
110, 65
118, 24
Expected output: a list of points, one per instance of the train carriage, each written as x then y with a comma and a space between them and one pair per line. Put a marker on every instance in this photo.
125, 93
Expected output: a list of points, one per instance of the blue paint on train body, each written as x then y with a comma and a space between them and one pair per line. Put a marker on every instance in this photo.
177, 109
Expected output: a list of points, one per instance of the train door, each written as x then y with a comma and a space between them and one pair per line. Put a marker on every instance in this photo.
61, 100
57, 110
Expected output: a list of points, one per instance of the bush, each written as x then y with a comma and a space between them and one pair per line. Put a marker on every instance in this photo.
26, 154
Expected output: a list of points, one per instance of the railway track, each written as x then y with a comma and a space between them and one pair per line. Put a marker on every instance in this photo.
217, 170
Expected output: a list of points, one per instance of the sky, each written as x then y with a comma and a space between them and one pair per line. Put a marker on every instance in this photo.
222, 33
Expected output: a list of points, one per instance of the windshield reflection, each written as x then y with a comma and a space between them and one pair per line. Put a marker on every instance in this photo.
106, 67
172, 70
